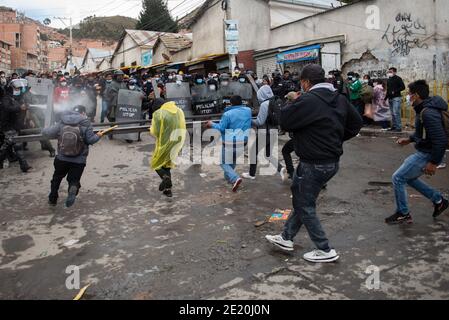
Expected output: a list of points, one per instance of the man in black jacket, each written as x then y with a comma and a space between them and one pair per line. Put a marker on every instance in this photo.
11, 122
431, 141
321, 120
395, 86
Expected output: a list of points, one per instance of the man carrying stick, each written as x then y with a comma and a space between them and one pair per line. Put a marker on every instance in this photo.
74, 133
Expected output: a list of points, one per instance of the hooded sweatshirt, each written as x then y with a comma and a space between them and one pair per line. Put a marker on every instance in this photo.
430, 136
321, 120
87, 134
263, 95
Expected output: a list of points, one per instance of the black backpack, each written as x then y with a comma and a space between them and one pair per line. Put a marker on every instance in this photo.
274, 112
70, 142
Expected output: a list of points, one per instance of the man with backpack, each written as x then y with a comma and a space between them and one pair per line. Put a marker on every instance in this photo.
267, 119
74, 133
321, 120
431, 141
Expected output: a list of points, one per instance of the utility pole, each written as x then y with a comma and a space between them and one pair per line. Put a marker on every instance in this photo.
70, 56
226, 5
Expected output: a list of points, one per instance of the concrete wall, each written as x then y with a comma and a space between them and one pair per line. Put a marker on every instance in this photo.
208, 32
158, 52
283, 12
423, 52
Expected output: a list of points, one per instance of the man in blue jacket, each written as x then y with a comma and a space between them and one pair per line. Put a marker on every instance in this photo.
431, 141
74, 133
234, 126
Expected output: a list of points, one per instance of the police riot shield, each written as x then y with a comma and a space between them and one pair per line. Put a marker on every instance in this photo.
180, 94
40, 100
206, 100
233, 88
129, 108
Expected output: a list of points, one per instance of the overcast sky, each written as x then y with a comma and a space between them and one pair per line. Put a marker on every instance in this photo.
79, 9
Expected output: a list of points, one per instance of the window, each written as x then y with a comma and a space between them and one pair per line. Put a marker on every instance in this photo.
134, 63
18, 40
122, 65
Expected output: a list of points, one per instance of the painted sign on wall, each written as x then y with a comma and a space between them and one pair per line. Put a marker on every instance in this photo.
147, 58
301, 54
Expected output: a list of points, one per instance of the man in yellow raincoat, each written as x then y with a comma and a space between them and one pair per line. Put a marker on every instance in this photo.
169, 129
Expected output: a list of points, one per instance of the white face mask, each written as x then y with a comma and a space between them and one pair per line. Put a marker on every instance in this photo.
132, 87
212, 87
390, 75
17, 92
63, 84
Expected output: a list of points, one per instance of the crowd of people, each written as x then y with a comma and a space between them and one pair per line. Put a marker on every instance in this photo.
318, 112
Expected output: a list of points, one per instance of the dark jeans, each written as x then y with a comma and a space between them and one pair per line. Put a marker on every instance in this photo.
162, 172
73, 171
268, 151
307, 184
287, 151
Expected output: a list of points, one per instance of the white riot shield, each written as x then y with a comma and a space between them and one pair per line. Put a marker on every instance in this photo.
244, 90
205, 100
41, 98
129, 108
180, 94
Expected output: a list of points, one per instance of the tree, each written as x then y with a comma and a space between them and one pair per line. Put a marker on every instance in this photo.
156, 17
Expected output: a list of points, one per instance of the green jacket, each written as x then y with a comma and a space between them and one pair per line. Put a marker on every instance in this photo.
355, 89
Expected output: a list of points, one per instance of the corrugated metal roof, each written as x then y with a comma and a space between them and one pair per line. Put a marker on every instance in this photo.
144, 37
176, 42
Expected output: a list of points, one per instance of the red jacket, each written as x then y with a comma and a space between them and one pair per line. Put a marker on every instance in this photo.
61, 95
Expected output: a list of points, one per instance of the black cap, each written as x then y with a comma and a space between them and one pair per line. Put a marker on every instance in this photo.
313, 73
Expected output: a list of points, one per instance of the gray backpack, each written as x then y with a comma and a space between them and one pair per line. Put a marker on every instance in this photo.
70, 143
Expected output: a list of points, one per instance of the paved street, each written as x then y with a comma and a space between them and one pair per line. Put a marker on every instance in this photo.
203, 243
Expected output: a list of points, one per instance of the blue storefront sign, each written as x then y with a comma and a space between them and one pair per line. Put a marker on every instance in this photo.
147, 58
301, 54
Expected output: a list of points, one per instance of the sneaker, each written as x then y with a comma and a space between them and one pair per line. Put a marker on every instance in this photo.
248, 176
279, 242
53, 202
442, 166
284, 174
52, 154
73, 190
319, 256
237, 185
398, 218
166, 183
168, 193
440, 208
26, 168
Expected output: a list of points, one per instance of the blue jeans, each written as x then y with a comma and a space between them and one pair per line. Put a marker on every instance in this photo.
395, 108
229, 155
104, 109
307, 184
409, 173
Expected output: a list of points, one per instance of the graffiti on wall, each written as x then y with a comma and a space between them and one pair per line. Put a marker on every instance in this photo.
405, 34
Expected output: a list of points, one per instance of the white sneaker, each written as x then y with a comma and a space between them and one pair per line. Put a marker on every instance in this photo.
319, 256
280, 242
442, 166
237, 184
248, 176
284, 174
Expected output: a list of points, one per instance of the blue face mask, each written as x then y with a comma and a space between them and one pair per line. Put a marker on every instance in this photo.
199, 81
242, 80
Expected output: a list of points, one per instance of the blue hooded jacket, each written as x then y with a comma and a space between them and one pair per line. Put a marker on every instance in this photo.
235, 124
430, 136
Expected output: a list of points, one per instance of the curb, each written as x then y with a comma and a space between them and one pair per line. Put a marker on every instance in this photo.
369, 132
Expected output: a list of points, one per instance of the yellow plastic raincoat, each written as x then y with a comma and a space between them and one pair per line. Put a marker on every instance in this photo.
169, 128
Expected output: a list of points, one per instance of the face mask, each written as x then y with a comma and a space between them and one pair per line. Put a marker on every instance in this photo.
170, 78
242, 80
3, 81
108, 81
179, 82
225, 83
409, 102
390, 75
199, 81
350, 78
63, 84
365, 81
132, 87
17, 92
212, 87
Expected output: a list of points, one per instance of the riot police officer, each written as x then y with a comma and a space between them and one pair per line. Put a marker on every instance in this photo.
11, 121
